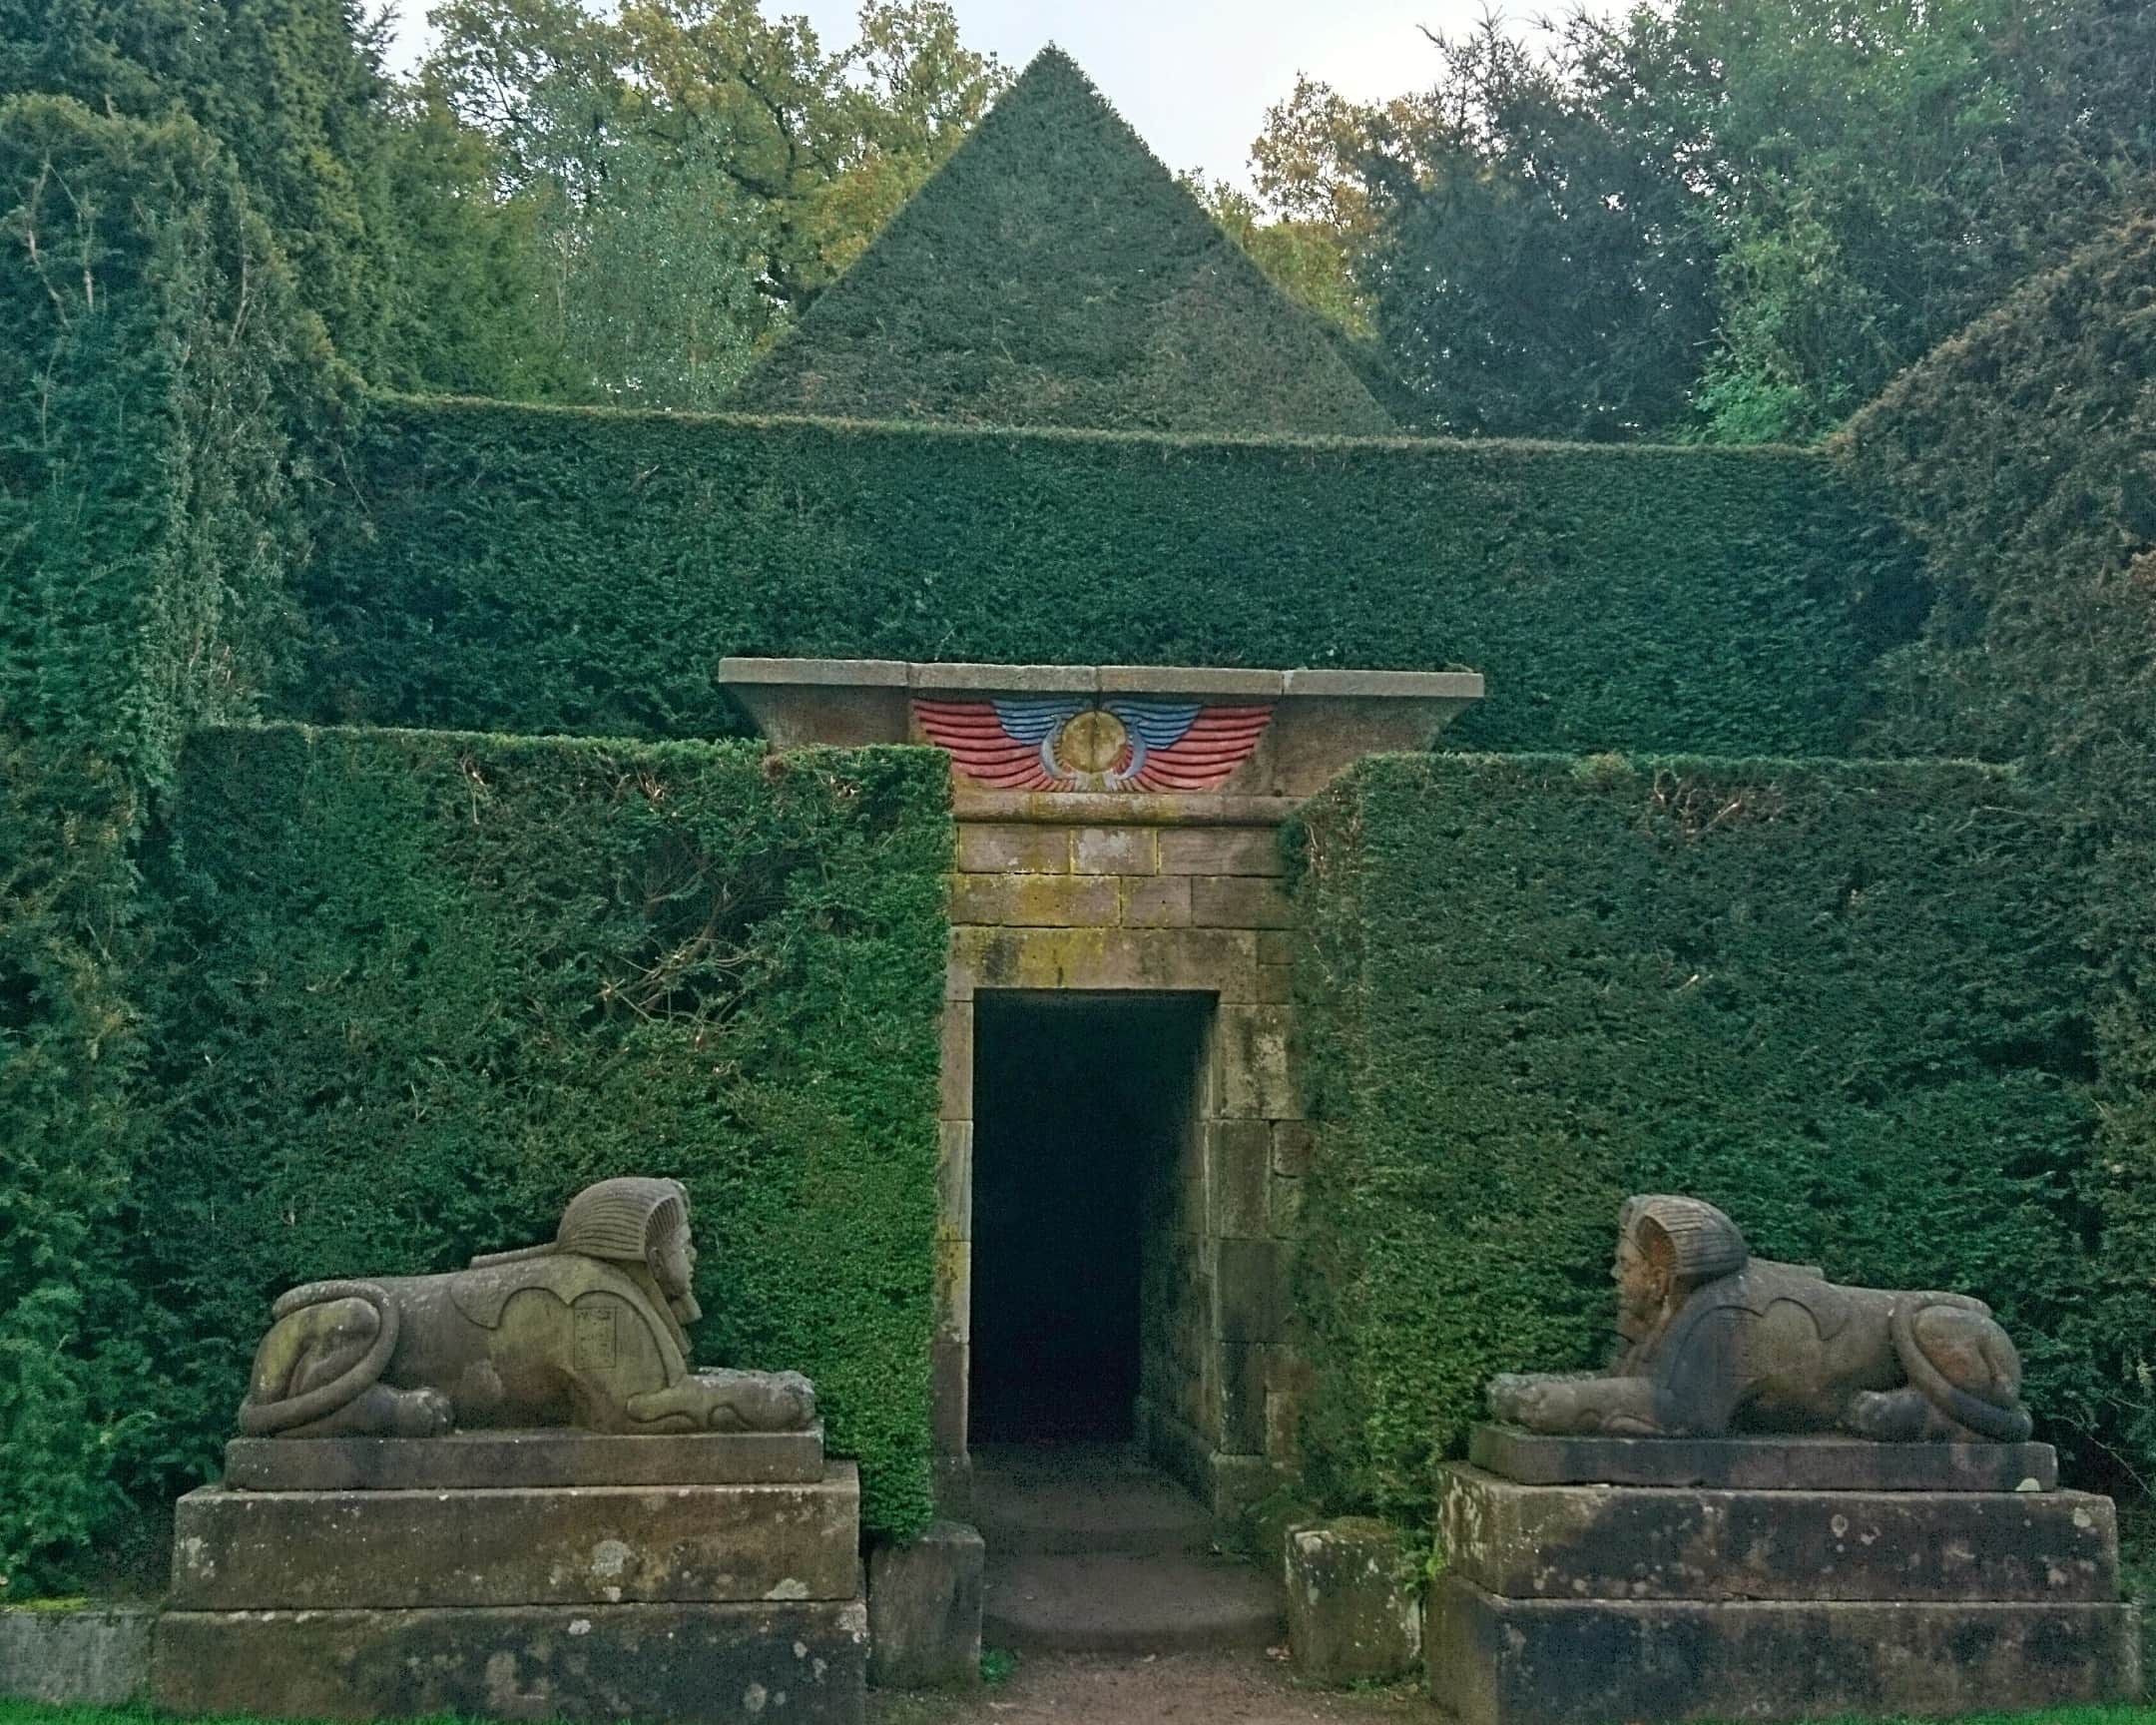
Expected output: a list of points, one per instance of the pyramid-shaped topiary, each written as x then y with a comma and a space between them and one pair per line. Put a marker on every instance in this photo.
1055, 274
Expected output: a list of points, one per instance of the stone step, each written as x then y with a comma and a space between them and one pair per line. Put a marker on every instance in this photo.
1082, 1499
1153, 1605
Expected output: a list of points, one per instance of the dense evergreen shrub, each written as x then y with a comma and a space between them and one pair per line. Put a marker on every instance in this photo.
415, 990
161, 394
1840, 1000
528, 569
1054, 274
2022, 454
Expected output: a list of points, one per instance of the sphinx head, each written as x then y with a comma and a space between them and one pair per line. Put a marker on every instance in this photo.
1666, 1247
642, 1221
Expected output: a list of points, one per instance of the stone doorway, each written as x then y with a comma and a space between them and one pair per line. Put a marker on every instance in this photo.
1087, 1216
1118, 834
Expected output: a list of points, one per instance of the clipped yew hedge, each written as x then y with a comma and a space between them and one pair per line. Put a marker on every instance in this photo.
1840, 1000
2022, 456
412, 991
161, 398
546, 570
1053, 273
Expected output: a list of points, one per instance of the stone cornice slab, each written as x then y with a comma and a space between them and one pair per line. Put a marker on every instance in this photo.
1179, 736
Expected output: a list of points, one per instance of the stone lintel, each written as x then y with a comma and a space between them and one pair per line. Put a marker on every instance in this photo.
804, 1662
1232, 680
824, 673
468, 1461
1004, 678
544, 1545
1120, 809
1321, 720
1193, 680
1664, 1542
1810, 1463
1385, 685
1496, 1661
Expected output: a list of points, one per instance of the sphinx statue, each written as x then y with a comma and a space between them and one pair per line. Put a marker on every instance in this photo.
1713, 1340
586, 1331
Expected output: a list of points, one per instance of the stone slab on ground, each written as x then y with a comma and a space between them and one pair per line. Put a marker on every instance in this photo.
94, 1656
1072, 1499
804, 1663
1646, 1542
1811, 1464
564, 1544
468, 1461
1129, 1605
1353, 1617
924, 1609
1495, 1661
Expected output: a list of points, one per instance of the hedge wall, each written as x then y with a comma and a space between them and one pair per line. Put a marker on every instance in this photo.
1055, 274
1842, 1000
160, 396
528, 569
2022, 454
415, 989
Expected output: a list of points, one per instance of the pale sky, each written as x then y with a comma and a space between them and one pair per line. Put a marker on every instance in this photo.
1194, 77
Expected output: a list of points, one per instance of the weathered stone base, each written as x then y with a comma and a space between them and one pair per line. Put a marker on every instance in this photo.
87, 1658
492, 1460
1636, 1542
553, 1546
658, 1663
1814, 1463
924, 1609
1352, 1615
1496, 1661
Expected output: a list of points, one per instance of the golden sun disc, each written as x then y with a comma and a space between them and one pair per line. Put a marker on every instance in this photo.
1093, 742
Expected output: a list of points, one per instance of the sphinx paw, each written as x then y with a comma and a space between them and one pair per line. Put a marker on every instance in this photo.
423, 1413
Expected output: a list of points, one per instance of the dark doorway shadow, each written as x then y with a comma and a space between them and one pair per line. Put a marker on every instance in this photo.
1082, 1108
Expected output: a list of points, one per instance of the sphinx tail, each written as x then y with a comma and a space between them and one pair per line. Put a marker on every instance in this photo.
285, 1414
2003, 1424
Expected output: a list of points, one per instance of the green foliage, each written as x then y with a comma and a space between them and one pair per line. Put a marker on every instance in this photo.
1729, 219
1303, 259
293, 90
548, 571
415, 990
1842, 1000
2022, 454
161, 398
1055, 274
689, 176
657, 283
483, 313
1532, 272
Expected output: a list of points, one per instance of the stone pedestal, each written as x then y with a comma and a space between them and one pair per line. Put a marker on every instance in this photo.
732, 1593
924, 1609
1573, 1596
1352, 1614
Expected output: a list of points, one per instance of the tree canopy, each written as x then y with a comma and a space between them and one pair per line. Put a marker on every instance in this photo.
1733, 220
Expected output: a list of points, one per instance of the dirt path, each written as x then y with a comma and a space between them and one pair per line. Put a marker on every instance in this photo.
1186, 1688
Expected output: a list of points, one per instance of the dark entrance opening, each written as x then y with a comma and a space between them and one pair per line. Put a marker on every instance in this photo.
1083, 1111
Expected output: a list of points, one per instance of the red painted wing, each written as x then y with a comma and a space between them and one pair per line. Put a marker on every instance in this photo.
1218, 740
981, 745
